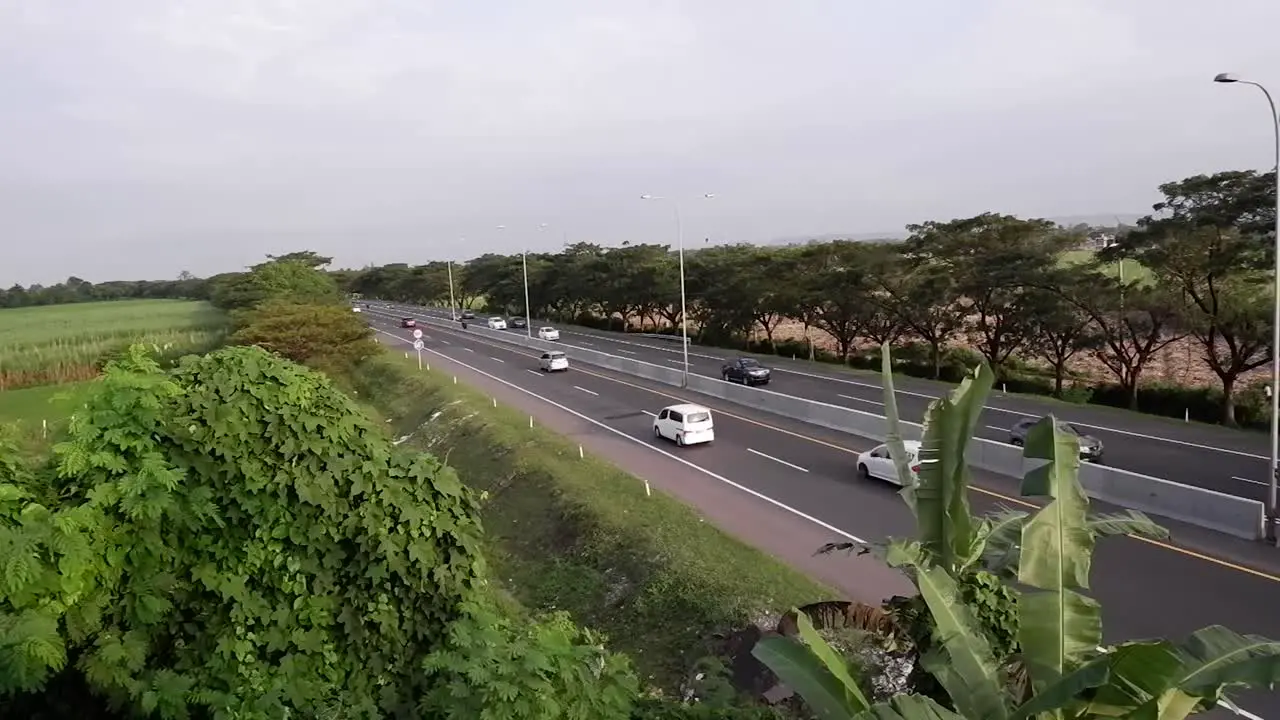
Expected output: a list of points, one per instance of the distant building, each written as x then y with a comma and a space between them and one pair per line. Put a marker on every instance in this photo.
1099, 240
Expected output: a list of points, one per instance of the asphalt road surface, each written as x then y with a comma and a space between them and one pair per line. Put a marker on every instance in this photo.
1147, 589
1228, 461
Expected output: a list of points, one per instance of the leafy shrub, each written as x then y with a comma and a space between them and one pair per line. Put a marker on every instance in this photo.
495, 667
235, 536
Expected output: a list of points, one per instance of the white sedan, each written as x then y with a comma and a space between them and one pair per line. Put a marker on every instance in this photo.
876, 463
548, 333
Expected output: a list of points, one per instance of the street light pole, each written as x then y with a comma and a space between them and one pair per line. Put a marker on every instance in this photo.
528, 312
684, 314
453, 308
1275, 324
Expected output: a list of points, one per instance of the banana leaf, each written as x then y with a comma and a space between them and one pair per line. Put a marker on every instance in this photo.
1058, 627
814, 670
1003, 547
893, 438
909, 707
973, 680
1065, 693
944, 523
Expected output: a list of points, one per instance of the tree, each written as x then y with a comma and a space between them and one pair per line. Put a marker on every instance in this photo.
1060, 330
306, 257
1208, 240
726, 290
997, 261
836, 283
927, 301
327, 337
1134, 321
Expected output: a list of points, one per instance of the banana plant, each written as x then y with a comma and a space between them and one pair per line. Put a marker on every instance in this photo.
1049, 552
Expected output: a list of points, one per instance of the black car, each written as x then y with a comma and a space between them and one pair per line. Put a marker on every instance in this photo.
1090, 446
747, 371
408, 322
468, 315
517, 322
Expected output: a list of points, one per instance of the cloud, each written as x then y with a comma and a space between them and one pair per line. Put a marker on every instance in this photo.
149, 136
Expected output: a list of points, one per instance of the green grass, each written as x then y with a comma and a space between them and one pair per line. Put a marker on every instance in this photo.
1133, 271
580, 535
52, 403
68, 343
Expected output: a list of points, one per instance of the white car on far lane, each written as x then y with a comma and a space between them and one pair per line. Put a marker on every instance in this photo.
497, 323
548, 333
686, 424
876, 463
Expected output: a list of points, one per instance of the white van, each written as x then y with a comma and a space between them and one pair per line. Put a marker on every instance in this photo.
497, 323
553, 360
687, 424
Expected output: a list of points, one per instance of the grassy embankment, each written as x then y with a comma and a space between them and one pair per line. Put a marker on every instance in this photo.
580, 535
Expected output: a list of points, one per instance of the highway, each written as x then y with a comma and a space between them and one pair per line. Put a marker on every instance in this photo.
1146, 589
1228, 461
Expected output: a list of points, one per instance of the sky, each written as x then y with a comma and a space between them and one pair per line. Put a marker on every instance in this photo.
142, 138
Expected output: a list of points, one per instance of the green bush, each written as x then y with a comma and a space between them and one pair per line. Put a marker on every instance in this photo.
234, 536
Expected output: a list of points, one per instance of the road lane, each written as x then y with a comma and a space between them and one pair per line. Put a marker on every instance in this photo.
1146, 590
1227, 461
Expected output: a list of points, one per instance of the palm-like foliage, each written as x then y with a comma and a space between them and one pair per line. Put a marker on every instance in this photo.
1060, 670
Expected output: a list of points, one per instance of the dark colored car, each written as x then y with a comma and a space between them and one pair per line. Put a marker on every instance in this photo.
467, 315
747, 371
1090, 446
517, 322
408, 322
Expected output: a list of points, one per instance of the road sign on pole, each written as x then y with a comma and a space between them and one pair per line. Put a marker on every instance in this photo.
418, 345
417, 334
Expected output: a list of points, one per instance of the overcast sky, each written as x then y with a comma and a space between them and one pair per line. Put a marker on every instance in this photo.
139, 138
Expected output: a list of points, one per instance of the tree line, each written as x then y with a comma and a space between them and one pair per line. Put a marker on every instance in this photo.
78, 290
1020, 293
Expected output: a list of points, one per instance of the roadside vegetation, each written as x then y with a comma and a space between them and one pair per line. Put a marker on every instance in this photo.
673, 592
1001, 627
241, 535
1046, 307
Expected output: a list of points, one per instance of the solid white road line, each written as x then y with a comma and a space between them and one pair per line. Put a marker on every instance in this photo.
858, 399
589, 392
533, 372
1105, 428
642, 443
1130, 433
777, 460
496, 359
1255, 482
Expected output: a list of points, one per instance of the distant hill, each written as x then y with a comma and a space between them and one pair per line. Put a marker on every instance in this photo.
895, 235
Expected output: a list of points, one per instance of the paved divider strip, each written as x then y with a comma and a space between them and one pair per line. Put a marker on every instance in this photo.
1204, 508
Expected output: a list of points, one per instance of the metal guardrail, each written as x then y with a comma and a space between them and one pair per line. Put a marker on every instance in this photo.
1204, 508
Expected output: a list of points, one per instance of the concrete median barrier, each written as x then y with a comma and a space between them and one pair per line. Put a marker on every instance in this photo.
1216, 511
